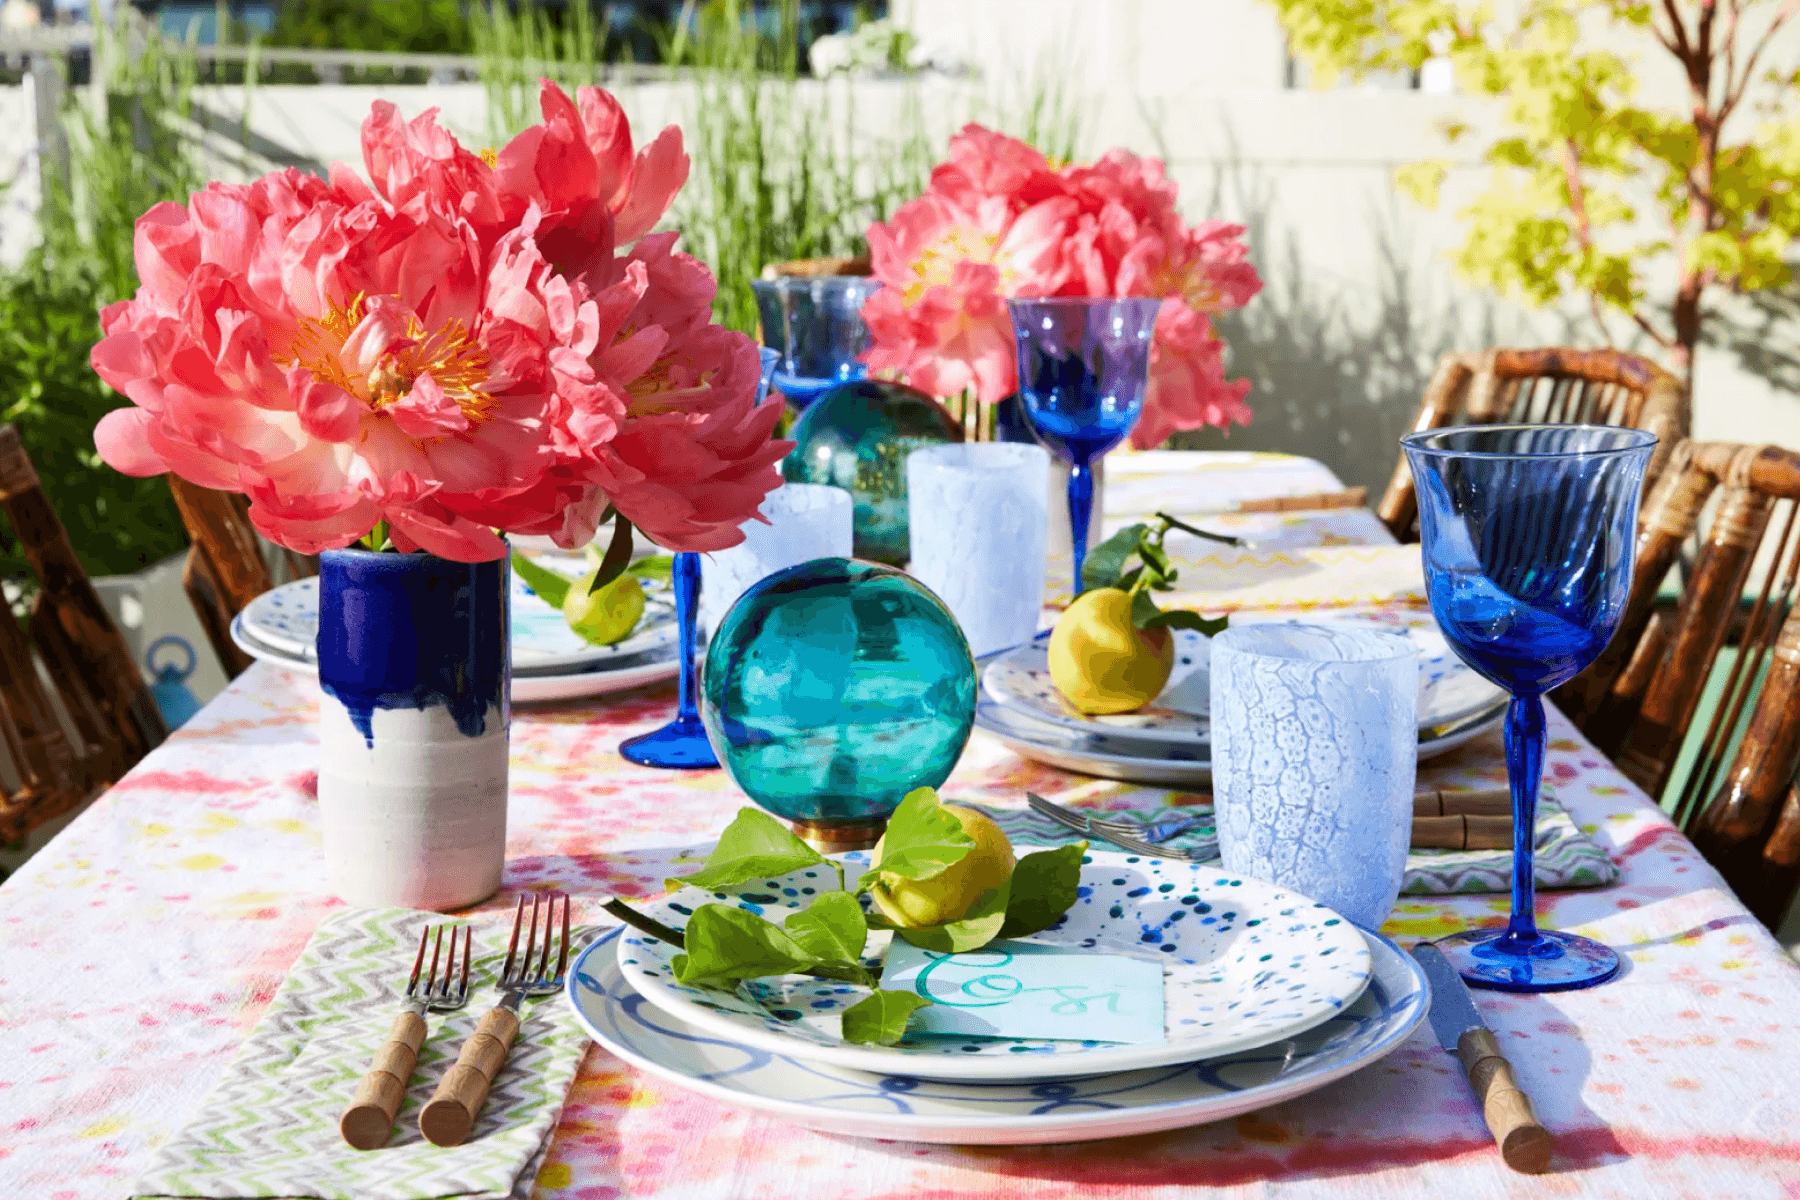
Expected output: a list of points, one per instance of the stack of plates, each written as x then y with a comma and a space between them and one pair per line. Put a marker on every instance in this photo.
550, 661
1170, 741
1267, 995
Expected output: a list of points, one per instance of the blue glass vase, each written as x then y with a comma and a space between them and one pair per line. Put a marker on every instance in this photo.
815, 326
857, 437
1084, 364
1527, 534
834, 688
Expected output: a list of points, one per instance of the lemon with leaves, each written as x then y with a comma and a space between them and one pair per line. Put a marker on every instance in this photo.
952, 892
608, 615
1101, 661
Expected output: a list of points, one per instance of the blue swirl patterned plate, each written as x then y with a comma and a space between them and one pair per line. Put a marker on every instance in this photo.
904, 1107
1244, 963
286, 620
1019, 680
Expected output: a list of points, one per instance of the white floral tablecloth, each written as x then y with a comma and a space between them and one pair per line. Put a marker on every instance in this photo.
138, 949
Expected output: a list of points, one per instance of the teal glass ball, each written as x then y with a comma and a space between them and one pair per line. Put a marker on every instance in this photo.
834, 688
857, 436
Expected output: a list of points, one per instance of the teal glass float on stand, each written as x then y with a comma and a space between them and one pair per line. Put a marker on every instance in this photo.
857, 437
834, 688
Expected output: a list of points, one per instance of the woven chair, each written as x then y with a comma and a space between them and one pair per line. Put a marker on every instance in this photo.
226, 568
85, 718
1730, 781
1540, 387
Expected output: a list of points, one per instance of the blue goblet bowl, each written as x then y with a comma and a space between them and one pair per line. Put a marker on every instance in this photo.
834, 688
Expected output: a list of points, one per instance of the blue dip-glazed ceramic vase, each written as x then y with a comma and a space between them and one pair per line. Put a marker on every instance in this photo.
857, 437
415, 668
832, 689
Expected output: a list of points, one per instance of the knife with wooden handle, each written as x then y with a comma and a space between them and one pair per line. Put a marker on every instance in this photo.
1524, 1143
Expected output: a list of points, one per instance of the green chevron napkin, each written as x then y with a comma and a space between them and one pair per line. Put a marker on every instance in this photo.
270, 1127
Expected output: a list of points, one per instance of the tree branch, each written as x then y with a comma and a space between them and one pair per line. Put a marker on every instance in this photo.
1681, 49
1667, 343
1735, 88
1577, 193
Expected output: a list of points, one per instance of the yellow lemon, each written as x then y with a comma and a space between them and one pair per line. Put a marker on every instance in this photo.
605, 616
948, 895
1101, 662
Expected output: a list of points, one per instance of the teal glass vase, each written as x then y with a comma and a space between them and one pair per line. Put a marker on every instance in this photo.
857, 437
834, 688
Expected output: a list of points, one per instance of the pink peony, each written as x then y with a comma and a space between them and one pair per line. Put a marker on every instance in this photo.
998, 221
456, 349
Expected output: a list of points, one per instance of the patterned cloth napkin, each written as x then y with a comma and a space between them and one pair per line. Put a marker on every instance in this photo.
1565, 857
270, 1127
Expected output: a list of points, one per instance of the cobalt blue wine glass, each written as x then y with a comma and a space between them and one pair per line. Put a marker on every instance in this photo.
815, 326
1527, 533
682, 744
1083, 366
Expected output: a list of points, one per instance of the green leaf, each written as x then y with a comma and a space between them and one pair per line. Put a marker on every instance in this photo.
922, 839
831, 928
551, 587
653, 566
1143, 610
979, 926
1106, 562
618, 554
726, 944
754, 846
1045, 885
1181, 618
880, 1020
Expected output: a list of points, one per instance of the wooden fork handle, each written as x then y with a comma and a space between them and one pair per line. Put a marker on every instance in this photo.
447, 1118
370, 1117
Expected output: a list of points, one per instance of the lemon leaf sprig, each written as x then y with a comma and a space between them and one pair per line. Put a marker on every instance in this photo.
1108, 566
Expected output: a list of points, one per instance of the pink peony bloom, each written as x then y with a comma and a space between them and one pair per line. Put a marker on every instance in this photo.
998, 221
457, 349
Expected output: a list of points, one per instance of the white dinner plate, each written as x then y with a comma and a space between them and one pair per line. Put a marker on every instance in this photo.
904, 1108
1019, 679
637, 671
1244, 963
286, 619
1119, 756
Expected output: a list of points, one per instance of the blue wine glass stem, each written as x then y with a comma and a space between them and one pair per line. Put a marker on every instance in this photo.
1081, 510
685, 576
1525, 770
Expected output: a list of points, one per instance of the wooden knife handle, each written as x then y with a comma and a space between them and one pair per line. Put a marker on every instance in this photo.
370, 1117
1462, 832
1524, 1144
447, 1118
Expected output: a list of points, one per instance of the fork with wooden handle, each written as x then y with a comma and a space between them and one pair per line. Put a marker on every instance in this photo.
365, 1125
450, 1114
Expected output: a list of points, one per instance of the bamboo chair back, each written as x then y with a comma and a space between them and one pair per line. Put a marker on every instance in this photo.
1550, 386
88, 670
225, 568
1637, 702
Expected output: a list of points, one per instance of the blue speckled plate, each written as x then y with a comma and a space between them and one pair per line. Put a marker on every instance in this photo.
903, 1107
1244, 964
286, 619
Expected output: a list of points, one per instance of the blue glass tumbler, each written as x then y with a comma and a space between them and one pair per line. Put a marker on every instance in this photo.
1084, 364
1527, 533
681, 744
815, 326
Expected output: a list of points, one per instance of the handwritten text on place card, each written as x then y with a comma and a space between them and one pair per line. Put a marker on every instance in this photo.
1022, 990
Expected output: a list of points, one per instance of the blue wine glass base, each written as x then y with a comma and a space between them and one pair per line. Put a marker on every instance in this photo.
680, 745
1548, 962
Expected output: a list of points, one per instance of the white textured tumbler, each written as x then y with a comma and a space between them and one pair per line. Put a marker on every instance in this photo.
805, 521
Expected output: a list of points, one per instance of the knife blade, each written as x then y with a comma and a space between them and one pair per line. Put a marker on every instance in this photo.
1525, 1145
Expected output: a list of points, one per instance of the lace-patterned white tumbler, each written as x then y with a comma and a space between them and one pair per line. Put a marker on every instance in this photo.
978, 516
1315, 746
804, 521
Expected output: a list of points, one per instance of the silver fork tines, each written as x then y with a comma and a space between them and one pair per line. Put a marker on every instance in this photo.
1123, 834
518, 974
451, 990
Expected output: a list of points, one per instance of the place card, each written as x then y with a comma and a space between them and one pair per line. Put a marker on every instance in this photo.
1024, 990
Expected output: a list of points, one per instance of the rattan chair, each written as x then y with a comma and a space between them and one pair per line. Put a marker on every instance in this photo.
1640, 699
84, 719
1548, 386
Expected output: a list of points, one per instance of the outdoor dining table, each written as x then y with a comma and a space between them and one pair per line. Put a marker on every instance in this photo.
140, 946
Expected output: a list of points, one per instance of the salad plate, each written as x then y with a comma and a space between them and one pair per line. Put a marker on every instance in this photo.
286, 620
842, 1100
1244, 963
1122, 756
1019, 679
527, 687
